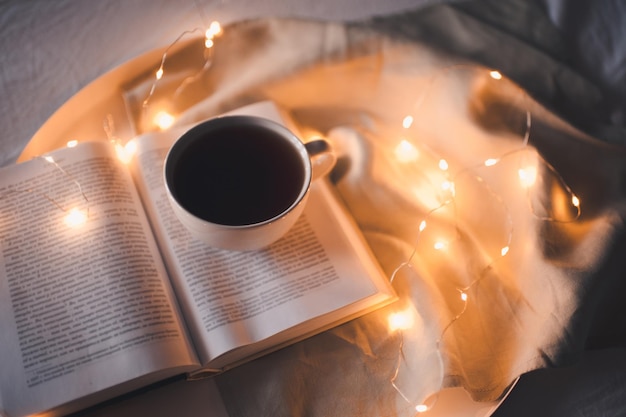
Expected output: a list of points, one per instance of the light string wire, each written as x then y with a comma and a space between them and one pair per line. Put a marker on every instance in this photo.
451, 181
161, 69
213, 31
75, 216
71, 177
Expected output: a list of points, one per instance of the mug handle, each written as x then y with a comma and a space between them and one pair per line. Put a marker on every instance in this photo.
322, 157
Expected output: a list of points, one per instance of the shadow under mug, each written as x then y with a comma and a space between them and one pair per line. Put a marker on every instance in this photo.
241, 182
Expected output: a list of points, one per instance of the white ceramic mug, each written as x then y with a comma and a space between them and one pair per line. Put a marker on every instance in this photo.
241, 182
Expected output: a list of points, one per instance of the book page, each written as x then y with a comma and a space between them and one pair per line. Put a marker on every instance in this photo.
84, 299
233, 299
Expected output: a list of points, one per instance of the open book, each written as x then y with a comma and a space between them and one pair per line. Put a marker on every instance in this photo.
103, 291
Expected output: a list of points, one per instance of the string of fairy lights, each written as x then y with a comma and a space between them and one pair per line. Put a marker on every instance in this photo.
406, 153
74, 216
163, 119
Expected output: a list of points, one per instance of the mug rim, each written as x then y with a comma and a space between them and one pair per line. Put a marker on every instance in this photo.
190, 135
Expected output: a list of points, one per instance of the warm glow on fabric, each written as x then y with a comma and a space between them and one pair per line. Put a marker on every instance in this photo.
452, 184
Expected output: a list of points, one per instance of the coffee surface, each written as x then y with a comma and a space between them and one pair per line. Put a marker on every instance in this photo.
238, 175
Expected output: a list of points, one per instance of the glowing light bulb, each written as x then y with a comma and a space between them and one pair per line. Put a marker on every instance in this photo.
215, 29
443, 165
406, 152
527, 176
491, 162
447, 185
130, 147
463, 296
126, 152
575, 201
75, 218
121, 154
422, 225
504, 250
159, 74
407, 122
495, 75
72, 143
440, 245
421, 408
400, 321
163, 120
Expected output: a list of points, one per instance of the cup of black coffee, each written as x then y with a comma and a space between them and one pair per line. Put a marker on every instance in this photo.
241, 182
